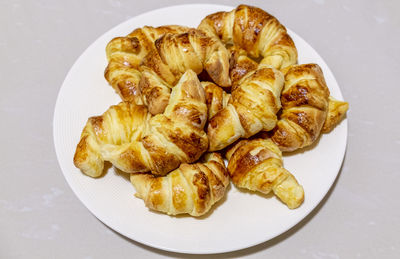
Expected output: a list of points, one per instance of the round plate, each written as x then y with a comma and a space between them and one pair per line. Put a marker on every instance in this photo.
241, 219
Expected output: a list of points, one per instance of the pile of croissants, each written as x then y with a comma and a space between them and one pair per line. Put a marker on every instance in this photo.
230, 89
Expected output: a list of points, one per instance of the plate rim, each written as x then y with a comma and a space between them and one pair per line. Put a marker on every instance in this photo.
75, 190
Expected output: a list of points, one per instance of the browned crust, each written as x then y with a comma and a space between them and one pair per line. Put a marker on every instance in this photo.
242, 161
130, 157
240, 65
193, 144
203, 192
81, 151
249, 21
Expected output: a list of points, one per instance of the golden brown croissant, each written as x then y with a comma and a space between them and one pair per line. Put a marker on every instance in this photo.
133, 141
336, 112
124, 55
304, 107
255, 31
257, 165
252, 107
173, 55
192, 188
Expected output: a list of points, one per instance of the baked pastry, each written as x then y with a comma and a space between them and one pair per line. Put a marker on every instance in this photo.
257, 165
304, 101
124, 55
173, 55
252, 107
192, 188
336, 112
133, 141
255, 31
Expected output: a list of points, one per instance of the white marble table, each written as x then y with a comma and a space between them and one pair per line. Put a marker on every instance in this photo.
40, 217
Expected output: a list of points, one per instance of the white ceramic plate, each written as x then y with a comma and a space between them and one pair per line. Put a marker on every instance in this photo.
239, 221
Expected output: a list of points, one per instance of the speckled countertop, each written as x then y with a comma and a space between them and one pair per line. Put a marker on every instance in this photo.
40, 217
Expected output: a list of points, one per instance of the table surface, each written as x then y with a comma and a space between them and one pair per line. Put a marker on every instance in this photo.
40, 217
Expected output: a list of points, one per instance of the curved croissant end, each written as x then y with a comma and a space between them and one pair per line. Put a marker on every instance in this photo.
336, 112
257, 165
192, 188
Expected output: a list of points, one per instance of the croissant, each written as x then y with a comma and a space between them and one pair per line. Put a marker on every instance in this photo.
255, 31
252, 107
173, 55
257, 165
124, 55
304, 107
133, 141
192, 188
336, 112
